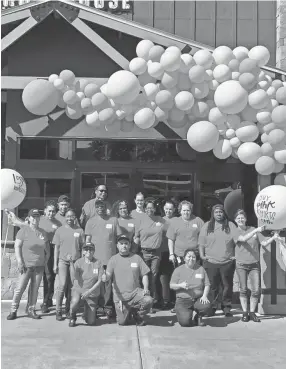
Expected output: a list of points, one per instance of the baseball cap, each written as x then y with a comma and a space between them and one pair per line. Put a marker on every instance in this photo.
64, 198
123, 237
89, 245
34, 213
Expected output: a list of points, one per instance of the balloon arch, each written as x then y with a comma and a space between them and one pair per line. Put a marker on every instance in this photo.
230, 106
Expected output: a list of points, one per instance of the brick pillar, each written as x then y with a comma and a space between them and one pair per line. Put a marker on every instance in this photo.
281, 34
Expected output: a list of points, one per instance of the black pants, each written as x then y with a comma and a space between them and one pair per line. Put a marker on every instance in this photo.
106, 296
49, 279
220, 274
185, 307
166, 269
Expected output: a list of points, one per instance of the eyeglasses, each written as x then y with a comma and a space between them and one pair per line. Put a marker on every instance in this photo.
91, 250
102, 190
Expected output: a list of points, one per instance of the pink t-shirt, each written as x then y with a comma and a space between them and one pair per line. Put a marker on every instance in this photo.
150, 232
86, 275
49, 226
70, 240
246, 252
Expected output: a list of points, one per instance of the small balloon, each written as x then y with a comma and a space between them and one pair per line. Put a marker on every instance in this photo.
91, 89
138, 66
187, 62
143, 48
204, 58
197, 74
67, 76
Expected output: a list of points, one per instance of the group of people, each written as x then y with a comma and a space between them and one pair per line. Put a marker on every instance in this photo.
127, 263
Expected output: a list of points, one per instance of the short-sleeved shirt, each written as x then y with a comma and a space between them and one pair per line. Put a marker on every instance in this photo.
185, 234
49, 226
164, 245
89, 211
70, 240
126, 272
126, 226
196, 278
62, 219
150, 232
219, 245
34, 246
246, 252
137, 216
103, 234
86, 275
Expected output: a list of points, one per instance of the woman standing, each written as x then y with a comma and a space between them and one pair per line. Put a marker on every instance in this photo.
68, 240
139, 212
192, 286
32, 251
246, 240
217, 251
183, 233
125, 223
149, 234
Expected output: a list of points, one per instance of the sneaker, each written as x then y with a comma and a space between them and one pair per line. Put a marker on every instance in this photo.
12, 315
245, 317
45, 309
254, 318
72, 323
32, 314
138, 319
59, 316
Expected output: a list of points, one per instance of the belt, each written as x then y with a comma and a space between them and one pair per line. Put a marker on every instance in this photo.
149, 250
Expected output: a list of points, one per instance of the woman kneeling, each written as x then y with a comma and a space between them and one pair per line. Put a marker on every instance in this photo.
86, 275
192, 286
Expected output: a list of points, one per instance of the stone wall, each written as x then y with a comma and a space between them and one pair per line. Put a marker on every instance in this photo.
281, 35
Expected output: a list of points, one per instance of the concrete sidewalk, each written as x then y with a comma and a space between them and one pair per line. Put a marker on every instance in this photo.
224, 343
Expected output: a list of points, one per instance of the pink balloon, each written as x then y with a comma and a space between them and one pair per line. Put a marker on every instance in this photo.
281, 95
276, 136
265, 165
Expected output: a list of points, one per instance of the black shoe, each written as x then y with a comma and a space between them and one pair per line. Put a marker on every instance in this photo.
110, 314
72, 323
166, 305
32, 314
138, 319
173, 311
12, 315
68, 315
59, 316
45, 309
227, 312
254, 318
245, 317
50, 303
198, 321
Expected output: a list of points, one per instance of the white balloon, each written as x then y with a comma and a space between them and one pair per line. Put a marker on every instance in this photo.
280, 179
222, 73
123, 87
144, 118
138, 66
155, 70
184, 83
184, 100
161, 115
223, 149
223, 55
278, 167
230, 133
197, 74
213, 85
265, 165
93, 119
235, 142
151, 90
269, 207
232, 121
200, 109
235, 76
230, 97
240, 53
200, 90
203, 136
261, 54
143, 48
171, 60
280, 156
53, 77
204, 58
216, 116
258, 99
263, 116
187, 62
247, 132
249, 152
169, 79
13, 189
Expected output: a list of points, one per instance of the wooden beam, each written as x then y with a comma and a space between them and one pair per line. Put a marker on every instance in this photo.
18, 32
8, 18
19, 83
98, 41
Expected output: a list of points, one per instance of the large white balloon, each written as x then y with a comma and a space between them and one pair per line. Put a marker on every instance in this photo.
123, 87
230, 97
269, 207
249, 152
13, 189
203, 136
261, 54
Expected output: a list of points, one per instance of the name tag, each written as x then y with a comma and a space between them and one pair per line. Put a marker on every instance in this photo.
195, 226
108, 226
76, 234
134, 265
95, 271
199, 276
54, 226
158, 224
41, 237
131, 225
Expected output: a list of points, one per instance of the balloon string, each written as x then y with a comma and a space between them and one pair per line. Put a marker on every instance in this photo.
5, 241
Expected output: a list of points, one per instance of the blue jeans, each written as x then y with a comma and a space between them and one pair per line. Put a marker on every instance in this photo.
185, 307
251, 273
64, 282
152, 260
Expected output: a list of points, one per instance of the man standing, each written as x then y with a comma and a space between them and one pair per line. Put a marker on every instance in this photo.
101, 231
125, 270
63, 205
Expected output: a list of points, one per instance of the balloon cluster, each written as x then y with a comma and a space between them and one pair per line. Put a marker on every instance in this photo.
224, 98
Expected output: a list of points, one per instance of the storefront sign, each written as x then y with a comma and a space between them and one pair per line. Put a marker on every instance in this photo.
115, 6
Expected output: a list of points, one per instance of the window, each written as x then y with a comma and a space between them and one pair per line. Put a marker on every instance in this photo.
50, 149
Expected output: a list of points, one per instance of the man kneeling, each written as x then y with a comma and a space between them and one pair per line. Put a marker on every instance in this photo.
191, 283
125, 270
86, 275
